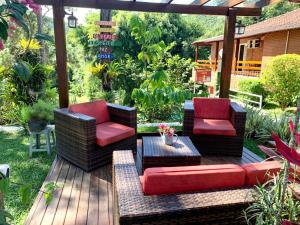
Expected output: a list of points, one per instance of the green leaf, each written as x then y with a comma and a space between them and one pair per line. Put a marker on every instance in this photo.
25, 193
19, 18
23, 70
3, 31
4, 185
5, 215
48, 193
44, 37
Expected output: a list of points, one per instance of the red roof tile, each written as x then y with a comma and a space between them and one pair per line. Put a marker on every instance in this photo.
287, 21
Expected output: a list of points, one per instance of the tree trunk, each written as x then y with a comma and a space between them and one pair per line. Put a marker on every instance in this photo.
42, 42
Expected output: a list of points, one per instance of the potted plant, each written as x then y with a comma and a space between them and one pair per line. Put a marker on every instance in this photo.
37, 116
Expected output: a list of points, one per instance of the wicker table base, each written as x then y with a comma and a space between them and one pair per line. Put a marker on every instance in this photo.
157, 154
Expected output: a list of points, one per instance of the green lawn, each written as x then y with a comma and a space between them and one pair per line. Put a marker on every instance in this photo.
24, 170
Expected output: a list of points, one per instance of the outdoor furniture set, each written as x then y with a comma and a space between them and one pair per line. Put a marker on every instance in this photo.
175, 188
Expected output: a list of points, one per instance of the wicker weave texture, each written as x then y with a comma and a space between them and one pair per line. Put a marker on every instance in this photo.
217, 144
132, 207
76, 136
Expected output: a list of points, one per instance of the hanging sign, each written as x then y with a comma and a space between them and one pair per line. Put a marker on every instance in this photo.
105, 49
105, 56
106, 23
202, 76
105, 39
105, 36
107, 30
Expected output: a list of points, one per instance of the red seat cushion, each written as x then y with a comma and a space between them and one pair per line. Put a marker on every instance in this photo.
109, 132
259, 173
168, 180
213, 127
97, 109
212, 108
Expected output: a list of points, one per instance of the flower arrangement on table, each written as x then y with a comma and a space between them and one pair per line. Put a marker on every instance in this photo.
167, 134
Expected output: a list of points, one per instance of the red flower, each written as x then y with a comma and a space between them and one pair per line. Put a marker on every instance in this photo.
286, 222
1, 45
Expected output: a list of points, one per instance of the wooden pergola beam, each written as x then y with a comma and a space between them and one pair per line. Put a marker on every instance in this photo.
228, 48
154, 7
232, 3
61, 53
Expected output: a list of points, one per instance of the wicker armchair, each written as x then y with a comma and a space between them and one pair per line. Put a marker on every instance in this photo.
131, 206
76, 136
228, 145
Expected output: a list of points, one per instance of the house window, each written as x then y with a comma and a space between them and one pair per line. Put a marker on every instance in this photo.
255, 43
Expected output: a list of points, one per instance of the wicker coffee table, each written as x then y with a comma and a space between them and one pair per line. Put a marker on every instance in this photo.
157, 154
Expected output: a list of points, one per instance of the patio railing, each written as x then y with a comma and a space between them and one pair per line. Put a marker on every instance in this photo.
242, 68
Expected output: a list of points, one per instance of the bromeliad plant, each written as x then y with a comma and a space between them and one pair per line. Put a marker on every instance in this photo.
276, 201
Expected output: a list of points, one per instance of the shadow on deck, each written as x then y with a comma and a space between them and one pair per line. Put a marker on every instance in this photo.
86, 198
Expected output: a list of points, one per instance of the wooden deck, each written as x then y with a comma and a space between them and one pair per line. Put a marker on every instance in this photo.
86, 198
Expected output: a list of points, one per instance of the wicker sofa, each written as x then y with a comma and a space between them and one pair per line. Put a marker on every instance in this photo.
131, 206
76, 136
227, 145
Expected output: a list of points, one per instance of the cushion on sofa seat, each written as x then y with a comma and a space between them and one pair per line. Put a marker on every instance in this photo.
109, 132
259, 173
168, 180
97, 109
213, 127
212, 108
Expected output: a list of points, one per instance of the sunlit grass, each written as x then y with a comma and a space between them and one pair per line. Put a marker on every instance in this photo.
14, 150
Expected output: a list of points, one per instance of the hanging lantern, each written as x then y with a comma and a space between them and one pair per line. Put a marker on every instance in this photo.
239, 28
72, 21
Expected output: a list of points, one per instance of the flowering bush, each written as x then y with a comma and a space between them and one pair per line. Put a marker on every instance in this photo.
12, 14
166, 130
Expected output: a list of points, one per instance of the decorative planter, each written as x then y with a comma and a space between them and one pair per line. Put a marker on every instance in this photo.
37, 125
169, 139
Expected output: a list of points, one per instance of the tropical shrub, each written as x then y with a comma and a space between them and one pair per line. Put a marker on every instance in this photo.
253, 86
157, 100
281, 78
260, 125
268, 207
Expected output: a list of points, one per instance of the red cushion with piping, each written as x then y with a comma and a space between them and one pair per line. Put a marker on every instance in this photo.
212, 108
97, 109
168, 180
259, 173
109, 132
213, 127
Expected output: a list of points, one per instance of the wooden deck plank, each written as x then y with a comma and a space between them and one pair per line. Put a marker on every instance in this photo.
51, 177
103, 197
42, 207
82, 212
65, 197
86, 198
110, 194
74, 199
93, 210
51, 208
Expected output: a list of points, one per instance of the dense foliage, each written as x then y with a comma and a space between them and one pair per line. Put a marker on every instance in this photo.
281, 78
254, 86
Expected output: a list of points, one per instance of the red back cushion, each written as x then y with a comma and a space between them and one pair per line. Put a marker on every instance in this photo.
168, 180
259, 173
97, 109
212, 108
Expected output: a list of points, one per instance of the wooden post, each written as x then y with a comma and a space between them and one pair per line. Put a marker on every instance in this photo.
216, 56
228, 46
61, 53
196, 57
236, 58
